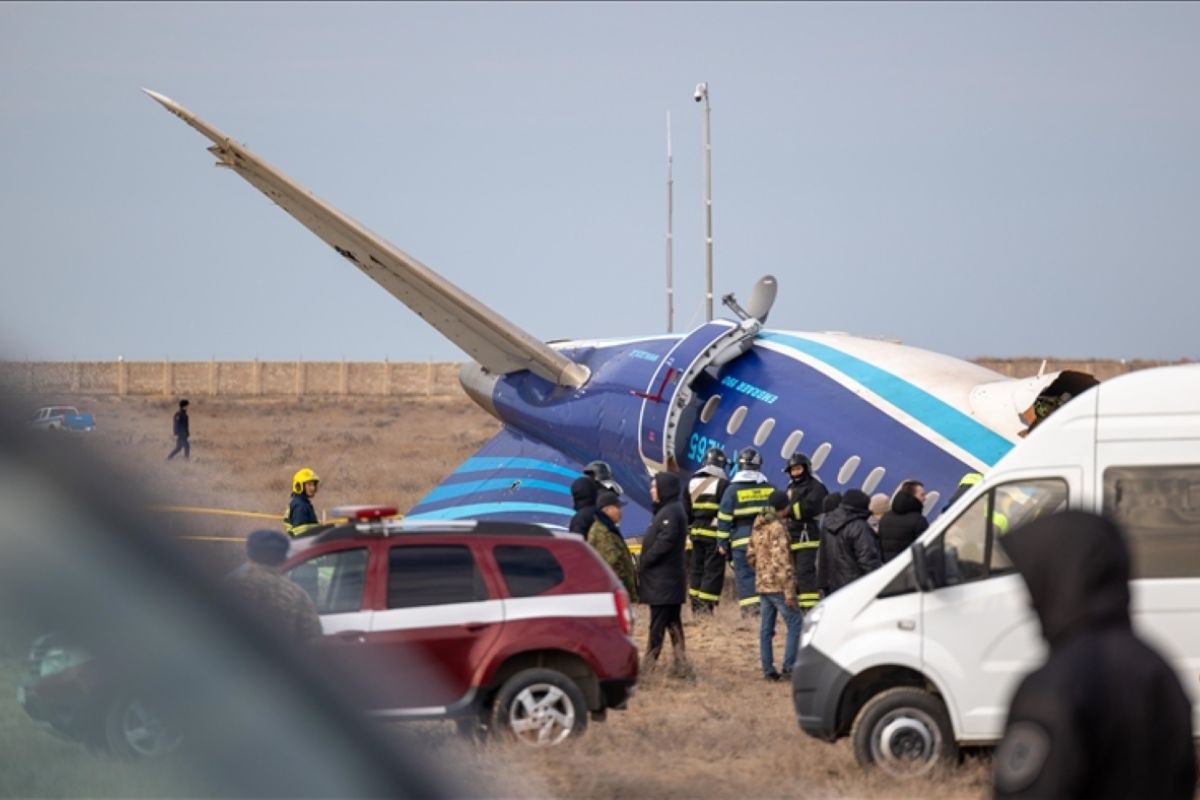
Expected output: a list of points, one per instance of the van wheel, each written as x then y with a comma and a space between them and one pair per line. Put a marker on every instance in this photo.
540, 707
905, 732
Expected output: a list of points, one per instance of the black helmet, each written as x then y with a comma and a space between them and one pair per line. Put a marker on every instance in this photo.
798, 460
599, 470
715, 457
749, 459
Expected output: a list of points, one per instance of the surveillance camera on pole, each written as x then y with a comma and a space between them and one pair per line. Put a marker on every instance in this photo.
702, 94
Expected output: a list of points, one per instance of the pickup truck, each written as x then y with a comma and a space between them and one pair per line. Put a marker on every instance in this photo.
62, 418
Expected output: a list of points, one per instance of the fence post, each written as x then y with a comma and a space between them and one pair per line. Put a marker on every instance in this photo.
213, 380
257, 377
168, 378
387, 377
429, 378
77, 378
343, 378
122, 377
299, 378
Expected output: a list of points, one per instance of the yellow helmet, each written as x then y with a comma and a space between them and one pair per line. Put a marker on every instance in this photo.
302, 477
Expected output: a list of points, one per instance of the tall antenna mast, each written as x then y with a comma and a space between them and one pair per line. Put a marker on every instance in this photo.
702, 94
670, 235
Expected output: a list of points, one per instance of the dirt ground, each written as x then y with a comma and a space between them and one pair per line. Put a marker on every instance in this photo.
727, 733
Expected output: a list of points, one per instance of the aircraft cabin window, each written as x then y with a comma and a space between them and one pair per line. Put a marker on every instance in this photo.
736, 420
710, 408
1159, 510
791, 444
764, 431
822, 453
873, 479
848, 469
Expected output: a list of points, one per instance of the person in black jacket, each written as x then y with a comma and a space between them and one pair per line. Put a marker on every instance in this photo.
831, 502
849, 542
182, 432
1105, 716
806, 496
596, 478
662, 580
901, 526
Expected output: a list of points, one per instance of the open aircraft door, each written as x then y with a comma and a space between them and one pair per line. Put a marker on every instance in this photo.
669, 405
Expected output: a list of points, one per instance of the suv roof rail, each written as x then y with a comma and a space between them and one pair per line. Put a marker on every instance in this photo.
399, 527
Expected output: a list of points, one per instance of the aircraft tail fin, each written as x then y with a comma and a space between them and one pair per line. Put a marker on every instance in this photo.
497, 344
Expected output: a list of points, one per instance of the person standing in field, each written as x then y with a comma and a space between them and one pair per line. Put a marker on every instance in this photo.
182, 432
605, 538
280, 602
301, 516
769, 555
662, 576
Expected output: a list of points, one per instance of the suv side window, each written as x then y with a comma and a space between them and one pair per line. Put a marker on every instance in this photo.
420, 575
334, 581
528, 570
1158, 507
971, 549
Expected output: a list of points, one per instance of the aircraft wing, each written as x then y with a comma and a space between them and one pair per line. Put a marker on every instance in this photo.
497, 344
516, 478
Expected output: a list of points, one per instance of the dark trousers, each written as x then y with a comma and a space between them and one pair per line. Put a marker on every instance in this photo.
181, 443
664, 620
707, 575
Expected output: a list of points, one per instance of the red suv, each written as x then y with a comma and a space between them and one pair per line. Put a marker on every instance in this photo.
504, 626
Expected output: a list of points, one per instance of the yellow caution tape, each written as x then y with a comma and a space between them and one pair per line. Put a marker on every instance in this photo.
216, 511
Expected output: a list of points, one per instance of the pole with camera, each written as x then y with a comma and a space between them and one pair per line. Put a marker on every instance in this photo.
702, 95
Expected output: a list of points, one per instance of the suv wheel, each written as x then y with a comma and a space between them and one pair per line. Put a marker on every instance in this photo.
136, 728
905, 732
540, 707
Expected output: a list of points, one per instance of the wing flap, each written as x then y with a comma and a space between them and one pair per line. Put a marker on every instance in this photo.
497, 344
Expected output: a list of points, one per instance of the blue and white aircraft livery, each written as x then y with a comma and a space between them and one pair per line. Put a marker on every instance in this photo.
870, 413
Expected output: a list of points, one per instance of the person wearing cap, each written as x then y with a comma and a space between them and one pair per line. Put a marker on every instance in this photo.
182, 432
279, 601
850, 544
596, 478
904, 522
301, 516
1105, 716
605, 538
769, 554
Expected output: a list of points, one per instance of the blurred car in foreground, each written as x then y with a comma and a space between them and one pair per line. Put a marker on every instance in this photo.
62, 418
522, 630
153, 655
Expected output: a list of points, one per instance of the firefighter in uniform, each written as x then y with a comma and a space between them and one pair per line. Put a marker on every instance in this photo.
806, 494
301, 517
702, 501
744, 499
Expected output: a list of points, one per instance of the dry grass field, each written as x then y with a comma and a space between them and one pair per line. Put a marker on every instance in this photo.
727, 733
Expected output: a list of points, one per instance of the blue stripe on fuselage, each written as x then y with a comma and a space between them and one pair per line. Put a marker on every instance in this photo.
482, 463
938, 415
450, 490
488, 509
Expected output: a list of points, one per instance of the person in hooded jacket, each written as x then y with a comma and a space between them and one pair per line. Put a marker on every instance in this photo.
852, 550
901, 526
596, 478
1105, 716
662, 577
807, 495
831, 502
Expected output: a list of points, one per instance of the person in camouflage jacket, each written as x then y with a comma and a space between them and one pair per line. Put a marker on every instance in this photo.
605, 537
275, 598
769, 554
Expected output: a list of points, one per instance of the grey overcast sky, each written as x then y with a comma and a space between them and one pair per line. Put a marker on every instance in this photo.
978, 179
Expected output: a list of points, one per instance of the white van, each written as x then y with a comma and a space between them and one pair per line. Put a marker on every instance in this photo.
923, 654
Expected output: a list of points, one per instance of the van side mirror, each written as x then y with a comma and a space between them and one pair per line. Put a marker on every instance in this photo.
920, 563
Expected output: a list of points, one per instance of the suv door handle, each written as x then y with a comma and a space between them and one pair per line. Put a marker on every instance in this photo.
357, 637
